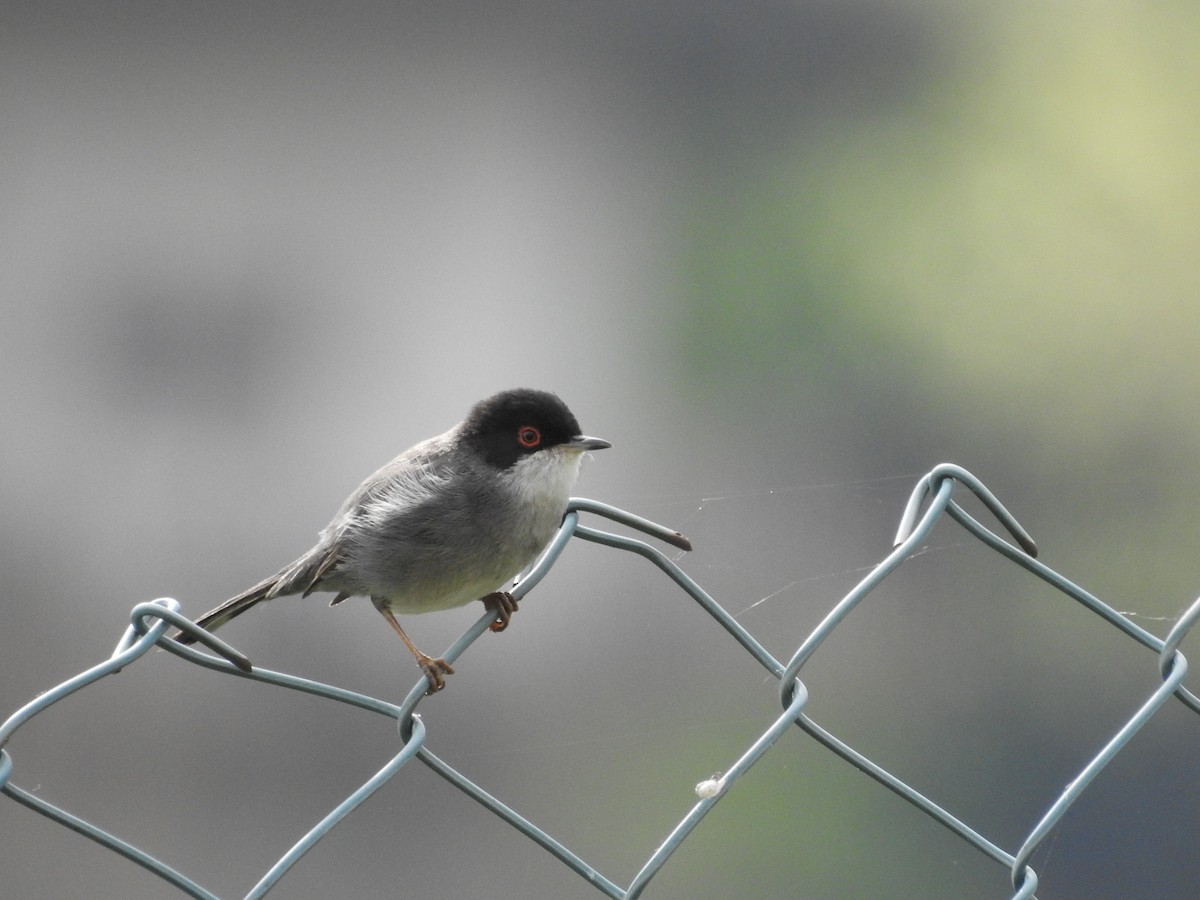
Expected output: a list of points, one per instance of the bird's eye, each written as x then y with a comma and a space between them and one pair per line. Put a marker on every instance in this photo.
528, 436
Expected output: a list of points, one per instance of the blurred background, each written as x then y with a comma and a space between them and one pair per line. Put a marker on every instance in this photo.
785, 256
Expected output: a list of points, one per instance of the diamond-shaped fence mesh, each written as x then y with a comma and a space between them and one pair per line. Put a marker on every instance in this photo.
931, 499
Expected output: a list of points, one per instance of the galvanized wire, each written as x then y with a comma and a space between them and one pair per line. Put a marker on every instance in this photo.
931, 498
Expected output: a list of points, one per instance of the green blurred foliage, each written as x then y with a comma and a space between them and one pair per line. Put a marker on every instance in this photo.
999, 269
1017, 239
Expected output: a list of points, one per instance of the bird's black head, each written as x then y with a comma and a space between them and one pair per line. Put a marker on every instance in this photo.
513, 424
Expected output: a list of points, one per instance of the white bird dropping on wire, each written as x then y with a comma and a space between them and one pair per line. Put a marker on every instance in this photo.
710, 787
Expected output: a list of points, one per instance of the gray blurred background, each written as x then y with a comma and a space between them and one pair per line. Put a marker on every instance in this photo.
785, 256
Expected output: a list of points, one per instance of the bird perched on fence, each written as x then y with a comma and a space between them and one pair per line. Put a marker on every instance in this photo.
448, 521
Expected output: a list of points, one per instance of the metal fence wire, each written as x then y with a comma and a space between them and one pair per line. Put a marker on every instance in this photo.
930, 500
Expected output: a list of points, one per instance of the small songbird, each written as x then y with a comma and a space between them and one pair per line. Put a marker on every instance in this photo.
448, 521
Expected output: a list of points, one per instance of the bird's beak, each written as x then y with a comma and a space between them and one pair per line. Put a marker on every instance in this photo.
583, 443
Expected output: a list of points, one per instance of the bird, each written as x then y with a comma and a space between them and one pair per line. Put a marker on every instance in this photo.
448, 521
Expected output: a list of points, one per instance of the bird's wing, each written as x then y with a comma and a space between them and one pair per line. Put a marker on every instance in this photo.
407, 482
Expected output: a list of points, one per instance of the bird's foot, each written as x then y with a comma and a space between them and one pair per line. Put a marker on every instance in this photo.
503, 604
433, 669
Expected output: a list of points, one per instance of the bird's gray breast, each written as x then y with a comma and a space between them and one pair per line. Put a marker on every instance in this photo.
433, 538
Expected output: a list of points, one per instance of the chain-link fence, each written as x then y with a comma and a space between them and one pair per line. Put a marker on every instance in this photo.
931, 499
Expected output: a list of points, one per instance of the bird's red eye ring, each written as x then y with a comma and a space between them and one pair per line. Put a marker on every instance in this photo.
528, 436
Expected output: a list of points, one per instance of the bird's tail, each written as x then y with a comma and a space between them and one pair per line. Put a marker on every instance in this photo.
301, 577
232, 608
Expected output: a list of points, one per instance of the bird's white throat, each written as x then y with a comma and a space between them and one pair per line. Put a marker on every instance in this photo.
544, 480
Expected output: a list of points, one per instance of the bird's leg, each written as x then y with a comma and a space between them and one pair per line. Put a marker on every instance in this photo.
433, 668
503, 604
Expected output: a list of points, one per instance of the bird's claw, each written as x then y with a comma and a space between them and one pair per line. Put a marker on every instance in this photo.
433, 669
503, 604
